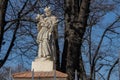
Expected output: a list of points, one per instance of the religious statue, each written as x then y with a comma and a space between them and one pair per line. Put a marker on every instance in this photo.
45, 37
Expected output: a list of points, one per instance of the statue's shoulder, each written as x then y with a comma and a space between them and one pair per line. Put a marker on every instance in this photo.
54, 18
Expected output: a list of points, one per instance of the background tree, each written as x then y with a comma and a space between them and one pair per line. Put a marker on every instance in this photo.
76, 15
101, 36
18, 20
3, 8
89, 37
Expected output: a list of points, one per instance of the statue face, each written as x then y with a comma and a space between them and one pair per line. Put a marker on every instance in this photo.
48, 13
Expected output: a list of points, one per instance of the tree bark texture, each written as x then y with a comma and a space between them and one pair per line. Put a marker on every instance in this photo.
3, 8
57, 62
76, 15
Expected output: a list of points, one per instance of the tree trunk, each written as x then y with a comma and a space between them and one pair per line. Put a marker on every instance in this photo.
3, 8
76, 14
57, 62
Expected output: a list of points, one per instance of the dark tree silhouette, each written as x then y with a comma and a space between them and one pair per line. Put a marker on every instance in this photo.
76, 15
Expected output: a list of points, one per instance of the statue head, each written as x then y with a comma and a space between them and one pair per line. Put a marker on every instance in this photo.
47, 11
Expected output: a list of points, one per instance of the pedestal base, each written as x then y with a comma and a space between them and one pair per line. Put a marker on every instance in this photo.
42, 65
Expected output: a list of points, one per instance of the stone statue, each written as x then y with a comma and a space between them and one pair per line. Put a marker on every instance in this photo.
45, 37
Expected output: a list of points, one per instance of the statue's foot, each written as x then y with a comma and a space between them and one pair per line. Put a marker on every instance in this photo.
47, 56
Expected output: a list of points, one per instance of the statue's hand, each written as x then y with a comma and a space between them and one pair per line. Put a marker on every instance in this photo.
38, 16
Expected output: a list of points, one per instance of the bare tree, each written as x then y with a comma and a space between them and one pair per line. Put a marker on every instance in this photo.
18, 19
83, 50
12, 24
98, 51
3, 8
76, 14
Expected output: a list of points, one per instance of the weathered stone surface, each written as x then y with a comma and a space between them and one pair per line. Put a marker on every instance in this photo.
42, 64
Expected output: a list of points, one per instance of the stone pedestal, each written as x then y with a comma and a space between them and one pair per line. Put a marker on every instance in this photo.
42, 65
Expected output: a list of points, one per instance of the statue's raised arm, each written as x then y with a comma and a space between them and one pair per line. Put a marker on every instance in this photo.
40, 20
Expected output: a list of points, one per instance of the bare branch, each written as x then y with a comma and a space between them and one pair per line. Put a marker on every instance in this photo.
112, 67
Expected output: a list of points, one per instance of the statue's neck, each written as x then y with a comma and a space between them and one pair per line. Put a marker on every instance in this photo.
47, 15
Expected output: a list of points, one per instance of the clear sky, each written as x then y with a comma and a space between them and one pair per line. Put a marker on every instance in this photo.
17, 57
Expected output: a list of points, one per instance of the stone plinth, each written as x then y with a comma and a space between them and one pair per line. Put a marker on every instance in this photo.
42, 64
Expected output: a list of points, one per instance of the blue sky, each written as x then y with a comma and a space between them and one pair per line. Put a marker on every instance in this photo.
96, 34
